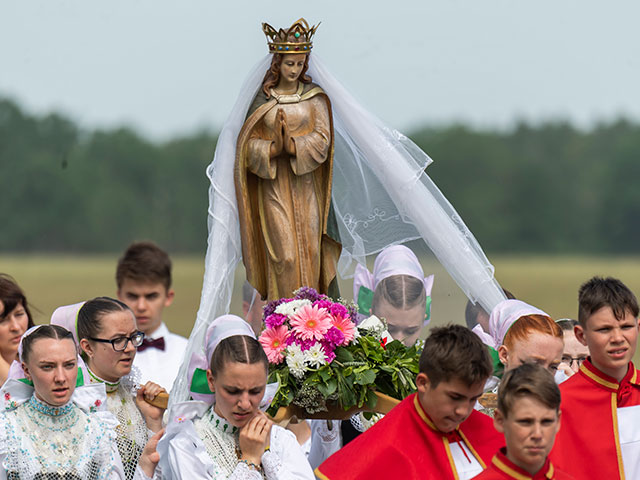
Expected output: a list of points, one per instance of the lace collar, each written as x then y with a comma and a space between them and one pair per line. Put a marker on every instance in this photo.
50, 410
109, 387
220, 423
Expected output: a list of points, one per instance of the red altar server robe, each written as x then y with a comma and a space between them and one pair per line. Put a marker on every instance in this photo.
406, 445
588, 444
501, 468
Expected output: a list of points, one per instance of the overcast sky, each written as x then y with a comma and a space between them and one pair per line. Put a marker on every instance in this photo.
169, 67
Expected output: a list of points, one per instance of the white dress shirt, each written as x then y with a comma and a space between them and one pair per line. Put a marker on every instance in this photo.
160, 366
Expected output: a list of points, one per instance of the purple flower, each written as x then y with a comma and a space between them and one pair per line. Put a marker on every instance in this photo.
308, 293
328, 350
334, 337
275, 320
338, 310
352, 309
326, 304
270, 308
305, 344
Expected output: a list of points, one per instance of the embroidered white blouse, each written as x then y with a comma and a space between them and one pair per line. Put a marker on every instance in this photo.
76, 440
199, 445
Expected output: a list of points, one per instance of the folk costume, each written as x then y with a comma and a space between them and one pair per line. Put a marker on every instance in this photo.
406, 444
600, 435
379, 193
72, 441
501, 468
131, 429
199, 444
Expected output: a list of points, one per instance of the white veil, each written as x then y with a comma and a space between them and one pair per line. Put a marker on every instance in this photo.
381, 196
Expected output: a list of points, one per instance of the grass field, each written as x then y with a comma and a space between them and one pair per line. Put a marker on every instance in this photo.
549, 282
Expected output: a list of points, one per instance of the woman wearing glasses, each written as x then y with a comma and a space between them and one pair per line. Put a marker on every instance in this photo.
574, 352
108, 337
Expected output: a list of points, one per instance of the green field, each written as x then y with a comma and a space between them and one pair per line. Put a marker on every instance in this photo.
549, 282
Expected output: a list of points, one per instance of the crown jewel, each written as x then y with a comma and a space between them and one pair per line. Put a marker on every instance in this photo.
297, 39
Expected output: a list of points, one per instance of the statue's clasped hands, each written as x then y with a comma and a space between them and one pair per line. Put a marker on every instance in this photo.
284, 140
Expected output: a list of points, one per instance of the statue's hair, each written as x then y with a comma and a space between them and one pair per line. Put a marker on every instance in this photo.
272, 77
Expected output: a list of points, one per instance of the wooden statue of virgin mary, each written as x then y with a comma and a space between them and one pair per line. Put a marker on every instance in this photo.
283, 175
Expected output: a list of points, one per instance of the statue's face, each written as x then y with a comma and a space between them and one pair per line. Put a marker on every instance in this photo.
291, 66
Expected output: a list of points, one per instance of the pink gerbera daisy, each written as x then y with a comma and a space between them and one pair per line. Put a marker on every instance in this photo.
311, 322
346, 326
273, 341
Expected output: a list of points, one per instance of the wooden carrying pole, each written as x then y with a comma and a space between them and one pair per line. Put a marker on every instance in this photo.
284, 415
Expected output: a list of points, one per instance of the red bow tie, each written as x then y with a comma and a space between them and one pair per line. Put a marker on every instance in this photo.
152, 343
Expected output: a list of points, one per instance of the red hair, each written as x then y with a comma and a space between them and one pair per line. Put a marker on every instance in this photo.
525, 326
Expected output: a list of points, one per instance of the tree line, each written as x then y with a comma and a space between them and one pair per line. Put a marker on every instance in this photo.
548, 188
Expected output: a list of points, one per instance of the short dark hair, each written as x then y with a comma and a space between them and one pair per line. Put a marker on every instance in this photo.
472, 310
600, 292
528, 380
44, 331
567, 324
399, 291
455, 353
144, 262
240, 349
91, 314
11, 295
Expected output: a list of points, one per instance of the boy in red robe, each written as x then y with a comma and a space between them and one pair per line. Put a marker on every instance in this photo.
434, 433
528, 414
600, 434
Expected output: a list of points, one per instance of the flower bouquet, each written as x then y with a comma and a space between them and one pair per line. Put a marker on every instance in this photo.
326, 366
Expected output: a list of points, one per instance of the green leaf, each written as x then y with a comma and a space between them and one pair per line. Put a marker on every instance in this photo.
366, 377
343, 355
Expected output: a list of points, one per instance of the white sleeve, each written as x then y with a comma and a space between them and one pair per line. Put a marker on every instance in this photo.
3, 472
324, 441
285, 460
117, 470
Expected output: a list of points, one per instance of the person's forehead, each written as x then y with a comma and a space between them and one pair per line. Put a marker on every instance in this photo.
243, 375
52, 350
142, 287
526, 404
403, 318
459, 387
118, 322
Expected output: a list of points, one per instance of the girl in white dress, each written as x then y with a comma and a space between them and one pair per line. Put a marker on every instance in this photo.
48, 427
231, 438
108, 337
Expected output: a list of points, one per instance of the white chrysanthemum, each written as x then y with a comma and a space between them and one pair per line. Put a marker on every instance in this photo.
296, 363
314, 357
290, 308
293, 350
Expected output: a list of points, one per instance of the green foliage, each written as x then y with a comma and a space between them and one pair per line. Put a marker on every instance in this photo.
357, 372
544, 189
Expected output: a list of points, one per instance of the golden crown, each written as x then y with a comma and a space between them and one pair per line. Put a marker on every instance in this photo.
297, 39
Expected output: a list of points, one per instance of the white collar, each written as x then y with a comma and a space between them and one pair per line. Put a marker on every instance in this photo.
161, 331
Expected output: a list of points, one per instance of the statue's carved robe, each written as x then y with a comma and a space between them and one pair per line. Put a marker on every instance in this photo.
284, 202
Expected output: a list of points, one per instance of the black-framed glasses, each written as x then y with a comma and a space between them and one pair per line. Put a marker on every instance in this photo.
569, 360
119, 344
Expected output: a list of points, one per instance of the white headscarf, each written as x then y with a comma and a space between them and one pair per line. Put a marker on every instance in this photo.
394, 260
504, 315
